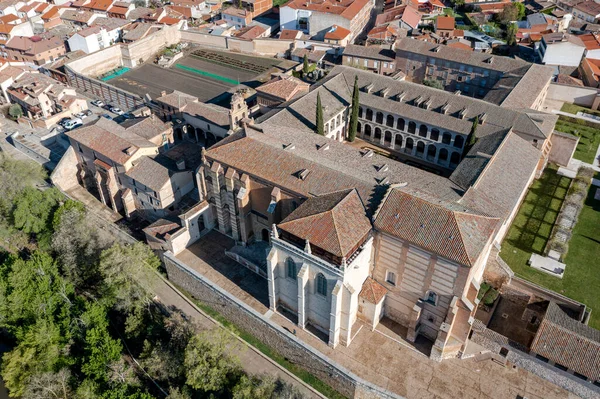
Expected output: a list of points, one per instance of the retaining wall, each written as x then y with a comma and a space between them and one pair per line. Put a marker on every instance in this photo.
584, 96
271, 334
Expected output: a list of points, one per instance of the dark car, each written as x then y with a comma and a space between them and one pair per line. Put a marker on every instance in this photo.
88, 112
107, 116
63, 121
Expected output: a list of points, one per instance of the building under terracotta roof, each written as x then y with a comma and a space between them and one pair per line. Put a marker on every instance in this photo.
591, 41
411, 17
336, 222
249, 32
347, 9
449, 230
283, 87
290, 34
337, 33
372, 291
445, 23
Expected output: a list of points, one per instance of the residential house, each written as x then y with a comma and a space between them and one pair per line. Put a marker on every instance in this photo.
386, 33
114, 28
11, 26
590, 72
137, 31
89, 39
51, 18
81, 18
257, 7
8, 74
586, 11
591, 41
33, 9
44, 100
10, 7
290, 34
313, 55
35, 49
237, 17
338, 36
411, 18
250, 32
120, 9
560, 49
373, 58
316, 18
444, 27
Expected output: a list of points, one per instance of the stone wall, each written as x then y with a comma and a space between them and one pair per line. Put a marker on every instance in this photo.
584, 96
285, 343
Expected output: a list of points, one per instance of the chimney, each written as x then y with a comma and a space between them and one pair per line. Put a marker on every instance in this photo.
180, 164
163, 93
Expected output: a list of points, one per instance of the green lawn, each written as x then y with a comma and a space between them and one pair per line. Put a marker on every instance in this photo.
573, 109
531, 229
589, 139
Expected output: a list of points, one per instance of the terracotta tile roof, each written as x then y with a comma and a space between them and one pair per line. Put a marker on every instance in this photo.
34, 44
411, 17
568, 342
119, 10
100, 5
347, 9
569, 80
51, 13
289, 34
236, 12
460, 45
249, 32
184, 11
82, 16
336, 222
6, 28
371, 52
445, 23
449, 230
162, 229
372, 291
591, 41
212, 113
588, 7
93, 30
7, 19
337, 33
437, 3
169, 21
283, 87
390, 15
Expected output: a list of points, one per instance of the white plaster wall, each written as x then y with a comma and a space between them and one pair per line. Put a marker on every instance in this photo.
564, 53
87, 44
287, 18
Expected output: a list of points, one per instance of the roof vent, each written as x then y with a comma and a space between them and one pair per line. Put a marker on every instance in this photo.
180, 164
457, 93
130, 150
369, 87
289, 147
482, 118
302, 174
427, 104
383, 168
445, 108
367, 154
323, 147
489, 60
385, 180
417, 101
463, 113
436, 49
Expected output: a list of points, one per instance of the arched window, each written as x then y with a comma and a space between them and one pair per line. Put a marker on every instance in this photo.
398, 142
446, 138
358, 127
369, 114
389, 121
368, 131
420, 148
291, 268
400, 124
443, 155
409, 145
431, 152
412, 127
459, 141
387, 138
360, 112
434, 135
377, 134
455, 158
379, 117
431, 297
321, 283
423, 131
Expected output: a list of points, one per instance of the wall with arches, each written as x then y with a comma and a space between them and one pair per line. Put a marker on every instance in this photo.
416, 139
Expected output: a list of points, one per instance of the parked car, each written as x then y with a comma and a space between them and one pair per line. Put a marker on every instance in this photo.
98, 103
81, 115
73, 123
116, 110
88, 112
107, 116
128, 115
63, 121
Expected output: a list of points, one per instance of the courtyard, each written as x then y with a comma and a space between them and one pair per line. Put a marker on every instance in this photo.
531, 229
381, 356
588, 133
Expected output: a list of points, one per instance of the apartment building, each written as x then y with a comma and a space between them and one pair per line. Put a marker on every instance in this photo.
35, 50
373, 58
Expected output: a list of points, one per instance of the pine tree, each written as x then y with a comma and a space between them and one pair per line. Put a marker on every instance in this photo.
354, 111
319, 119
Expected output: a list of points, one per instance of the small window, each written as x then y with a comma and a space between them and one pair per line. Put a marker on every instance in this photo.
503, 352
321, 284
431, 298
291, 268
390, 277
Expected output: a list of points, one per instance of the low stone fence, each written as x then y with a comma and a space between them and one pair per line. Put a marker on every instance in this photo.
271, 334
516, 355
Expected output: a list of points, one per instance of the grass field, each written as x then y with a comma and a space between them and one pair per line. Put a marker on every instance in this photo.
573, 109
531, 229
589, 139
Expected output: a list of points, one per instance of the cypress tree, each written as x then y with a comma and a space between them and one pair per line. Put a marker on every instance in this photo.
472, 139
305, 64
354, 112
319, 119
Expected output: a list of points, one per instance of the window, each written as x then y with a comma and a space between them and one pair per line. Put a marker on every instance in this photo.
291, 268
431, 297
350, 60
391, 65
366, 63
390, 277
385, 64
375, 64
321, 284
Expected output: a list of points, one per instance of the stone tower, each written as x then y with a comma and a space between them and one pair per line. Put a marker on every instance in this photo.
238, 111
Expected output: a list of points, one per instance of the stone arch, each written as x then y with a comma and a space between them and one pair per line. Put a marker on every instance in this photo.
431, 151
398, 142
412, 127
369, 114
377, 136
210, 139
400, 124
420, 149
455, 158
360, 112
443, 157
459, 141
435, 134
409, 145
389, 121
423, 130
379, 117
367, 131
446, 138
358, 127
387, 138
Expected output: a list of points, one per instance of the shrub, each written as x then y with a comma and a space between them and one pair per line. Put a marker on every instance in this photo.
490, 297
15, 111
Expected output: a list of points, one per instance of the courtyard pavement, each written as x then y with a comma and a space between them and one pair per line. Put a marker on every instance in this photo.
382, 356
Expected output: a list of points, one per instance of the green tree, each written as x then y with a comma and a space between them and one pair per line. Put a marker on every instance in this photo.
305, 65
176, 393
433, 83
511, 33
254, 387
34, 208
319, 117
511, 13
209, 365
353, 126
472, 139
15, 111
520, 10
15, 176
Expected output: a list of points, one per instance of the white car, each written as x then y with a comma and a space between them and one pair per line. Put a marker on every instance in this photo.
98, 103
116, 110
81, 115
73, 123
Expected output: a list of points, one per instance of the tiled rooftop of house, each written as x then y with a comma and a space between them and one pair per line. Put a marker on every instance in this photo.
347, 9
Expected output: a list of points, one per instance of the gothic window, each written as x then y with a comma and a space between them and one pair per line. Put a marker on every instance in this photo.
291, 268
321, 284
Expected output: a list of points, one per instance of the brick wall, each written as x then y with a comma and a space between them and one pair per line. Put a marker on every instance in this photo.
271, 334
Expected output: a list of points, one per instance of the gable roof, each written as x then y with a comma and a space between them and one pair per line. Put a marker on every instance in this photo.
337, 33
150, 173
446, 23
335, 222
411, 17
449, 230
372, 291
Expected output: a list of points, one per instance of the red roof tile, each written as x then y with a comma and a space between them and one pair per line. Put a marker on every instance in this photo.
372, 291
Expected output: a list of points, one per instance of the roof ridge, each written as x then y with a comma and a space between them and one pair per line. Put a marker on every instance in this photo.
462, 241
